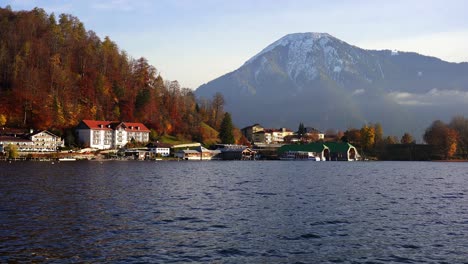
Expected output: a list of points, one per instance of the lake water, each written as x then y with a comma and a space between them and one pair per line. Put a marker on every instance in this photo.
234, 212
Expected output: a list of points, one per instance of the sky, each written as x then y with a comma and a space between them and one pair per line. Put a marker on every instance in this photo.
196, 41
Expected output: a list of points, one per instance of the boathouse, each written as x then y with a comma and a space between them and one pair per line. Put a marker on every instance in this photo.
312, 151
340, 151
330, 151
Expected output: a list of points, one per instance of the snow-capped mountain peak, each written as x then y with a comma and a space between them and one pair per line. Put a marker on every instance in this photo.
303, 55
319, 79
307, 38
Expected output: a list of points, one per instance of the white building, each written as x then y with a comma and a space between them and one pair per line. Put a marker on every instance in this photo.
110, 134
42, 141
310, 131
160, 148
273, 136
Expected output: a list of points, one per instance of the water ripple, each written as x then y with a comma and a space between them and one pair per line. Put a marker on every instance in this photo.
234, 212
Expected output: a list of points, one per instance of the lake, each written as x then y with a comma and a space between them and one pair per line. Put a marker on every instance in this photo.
234, 212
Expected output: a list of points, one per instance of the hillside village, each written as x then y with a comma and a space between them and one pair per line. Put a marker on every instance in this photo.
131, 140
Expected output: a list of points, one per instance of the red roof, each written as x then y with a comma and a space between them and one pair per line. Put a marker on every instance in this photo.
94, 124
135, 127
111, 125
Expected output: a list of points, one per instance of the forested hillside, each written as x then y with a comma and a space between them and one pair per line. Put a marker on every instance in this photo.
54, 72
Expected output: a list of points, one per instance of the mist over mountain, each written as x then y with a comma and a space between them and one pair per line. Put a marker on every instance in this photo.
325, 82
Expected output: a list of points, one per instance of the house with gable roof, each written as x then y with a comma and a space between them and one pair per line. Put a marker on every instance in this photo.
110, 134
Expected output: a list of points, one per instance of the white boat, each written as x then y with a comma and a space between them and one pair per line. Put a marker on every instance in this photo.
289, 155
67, 159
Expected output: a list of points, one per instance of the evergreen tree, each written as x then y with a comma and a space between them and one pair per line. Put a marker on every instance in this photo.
226, 134
301, 131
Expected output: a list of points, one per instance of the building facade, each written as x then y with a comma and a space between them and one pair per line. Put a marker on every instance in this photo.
41, 141
250, 131
159, 149
110, 134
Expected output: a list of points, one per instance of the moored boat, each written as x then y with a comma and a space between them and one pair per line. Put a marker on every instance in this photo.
67, 159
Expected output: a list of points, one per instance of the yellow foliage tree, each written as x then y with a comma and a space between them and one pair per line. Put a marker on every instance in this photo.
12, 151
3, 120
367, 137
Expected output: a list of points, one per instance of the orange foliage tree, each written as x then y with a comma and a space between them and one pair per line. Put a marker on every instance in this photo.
442, 138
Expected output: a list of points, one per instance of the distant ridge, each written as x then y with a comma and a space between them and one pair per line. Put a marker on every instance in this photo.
325, 82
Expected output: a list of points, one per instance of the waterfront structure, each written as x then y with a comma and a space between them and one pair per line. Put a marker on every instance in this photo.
39, 141
110, 134
200, 153
330, 151
342, 151
236, 152
312, 151
157, 148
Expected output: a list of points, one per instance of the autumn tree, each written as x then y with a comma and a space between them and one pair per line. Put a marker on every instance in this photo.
367, 137
226, 130
407, 138
460, 124
217, 109
12, 151
442, 138
378, 133
390, 140
3, 120
352, 136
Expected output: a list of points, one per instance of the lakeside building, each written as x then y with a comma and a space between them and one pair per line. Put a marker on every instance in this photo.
200, 153
310, 131
40, 141
110, 134
236, 152
258, 134
330, 151
158, 148
222, 152
249, 132
313, 151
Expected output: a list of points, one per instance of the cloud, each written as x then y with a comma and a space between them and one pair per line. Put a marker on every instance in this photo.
358, 91
449, 46
433, 97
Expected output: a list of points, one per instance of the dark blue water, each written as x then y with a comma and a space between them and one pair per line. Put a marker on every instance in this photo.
234, 212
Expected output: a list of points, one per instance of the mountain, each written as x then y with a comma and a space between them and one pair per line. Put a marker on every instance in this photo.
325, 82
